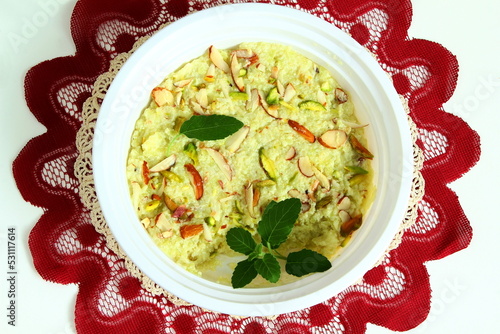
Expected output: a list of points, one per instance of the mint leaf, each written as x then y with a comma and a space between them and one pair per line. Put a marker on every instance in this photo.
268, 267
305, 262
240, 240
211, 127
243, 274
278, 220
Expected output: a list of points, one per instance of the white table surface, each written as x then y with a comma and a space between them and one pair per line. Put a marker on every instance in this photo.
466, 286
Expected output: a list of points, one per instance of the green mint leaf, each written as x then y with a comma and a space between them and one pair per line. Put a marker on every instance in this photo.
243, 274
240, 240
211, 127
305, 262
257, 252
278, 220
268, 267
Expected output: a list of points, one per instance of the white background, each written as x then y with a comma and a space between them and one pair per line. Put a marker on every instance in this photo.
466, 287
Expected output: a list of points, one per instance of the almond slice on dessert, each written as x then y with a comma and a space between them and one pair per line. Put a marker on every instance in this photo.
234, 142
164, 164
196, 180
333, 138
291, 153
162, 96
188, 231
235, 74
302, 130
217, 59
305, 166
221, 162
340, 95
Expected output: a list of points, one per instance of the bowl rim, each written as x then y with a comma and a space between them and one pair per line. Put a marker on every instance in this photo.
251, 301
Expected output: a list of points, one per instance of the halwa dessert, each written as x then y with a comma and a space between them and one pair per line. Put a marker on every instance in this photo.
236, 132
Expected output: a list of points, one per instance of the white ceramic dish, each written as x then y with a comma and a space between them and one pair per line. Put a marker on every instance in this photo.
376, 103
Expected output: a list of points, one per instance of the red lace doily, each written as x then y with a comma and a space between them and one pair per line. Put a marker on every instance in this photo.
67, 249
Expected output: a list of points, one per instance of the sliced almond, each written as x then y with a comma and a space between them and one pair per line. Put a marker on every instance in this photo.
166, 234
234, 142
217, 59
202, 98
302, 131
163, 223
235, 74
256, 196
344, 203
145, 172
281, 89
321, 96
312, 189
323, 180
340, 95
294, 193
333, 138
196, 180
274, 72
291, 153
305, 166
261, 67
358, 147
146, 222
182, 83
171, 205
306, 206
254, 100
289, 92
249, 55
221, 162
249, 199
210, 75
188, 231
164, 164
353, 125
162, 96
344, 216
207, 233
350, 225
178, 99
297, 194
197, 108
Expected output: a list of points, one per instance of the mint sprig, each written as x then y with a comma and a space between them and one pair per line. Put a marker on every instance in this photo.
274, 228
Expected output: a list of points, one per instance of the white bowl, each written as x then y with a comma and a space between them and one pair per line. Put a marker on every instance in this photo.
376, 102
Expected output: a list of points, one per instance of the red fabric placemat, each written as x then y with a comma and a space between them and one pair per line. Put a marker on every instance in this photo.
67, 249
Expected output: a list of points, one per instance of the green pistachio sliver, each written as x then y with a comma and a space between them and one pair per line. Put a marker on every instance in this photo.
265, 183
312, 105
356, 170
210, 221
273, 97
324, 202
171, 176
152, 205
242, 72
191, 152
238, 96
326, 86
